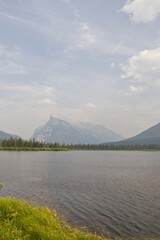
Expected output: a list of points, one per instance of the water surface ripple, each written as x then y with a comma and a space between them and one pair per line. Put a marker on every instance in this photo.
110, 192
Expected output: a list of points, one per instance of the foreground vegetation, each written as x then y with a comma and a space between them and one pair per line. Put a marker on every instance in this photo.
21, 221
18, 220
32, 145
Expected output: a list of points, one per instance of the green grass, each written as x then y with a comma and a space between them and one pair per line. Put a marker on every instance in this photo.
19, 220
31, 149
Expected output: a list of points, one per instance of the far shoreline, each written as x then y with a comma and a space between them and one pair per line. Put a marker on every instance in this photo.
27, 149
23, 149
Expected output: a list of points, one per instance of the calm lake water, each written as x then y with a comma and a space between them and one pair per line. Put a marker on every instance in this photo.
116, 193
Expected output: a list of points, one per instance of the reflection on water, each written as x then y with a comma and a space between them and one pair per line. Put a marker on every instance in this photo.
106, 191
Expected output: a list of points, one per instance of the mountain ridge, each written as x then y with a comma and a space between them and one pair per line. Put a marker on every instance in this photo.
148, 136
58, 130
4, 135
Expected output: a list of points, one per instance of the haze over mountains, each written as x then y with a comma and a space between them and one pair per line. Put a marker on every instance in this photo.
57, 130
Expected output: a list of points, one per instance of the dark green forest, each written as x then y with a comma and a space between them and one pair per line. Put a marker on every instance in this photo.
20, 143
14, 144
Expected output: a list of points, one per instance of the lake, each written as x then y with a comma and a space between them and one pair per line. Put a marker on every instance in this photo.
116, 193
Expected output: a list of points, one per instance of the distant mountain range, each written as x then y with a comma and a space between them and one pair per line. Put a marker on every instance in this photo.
101, 132
4, 135
57, 130
149, 136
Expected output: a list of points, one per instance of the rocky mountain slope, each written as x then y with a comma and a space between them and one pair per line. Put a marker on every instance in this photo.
4, 135
149, 136
57, 130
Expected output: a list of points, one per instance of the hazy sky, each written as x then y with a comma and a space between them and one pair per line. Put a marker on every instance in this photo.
80, 60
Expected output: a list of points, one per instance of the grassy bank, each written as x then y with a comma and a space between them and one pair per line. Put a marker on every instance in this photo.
31, 149
18, 220
34, 149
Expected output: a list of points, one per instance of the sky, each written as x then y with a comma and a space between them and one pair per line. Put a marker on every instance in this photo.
92, 61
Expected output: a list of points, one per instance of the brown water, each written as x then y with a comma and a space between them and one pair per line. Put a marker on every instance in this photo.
116, 193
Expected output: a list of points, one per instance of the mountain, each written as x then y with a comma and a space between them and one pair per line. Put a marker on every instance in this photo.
101, 132
57, 130
4, 135
149, 136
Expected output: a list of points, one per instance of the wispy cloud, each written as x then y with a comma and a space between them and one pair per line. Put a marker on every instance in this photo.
58, 57
9, 64
136, 89
6, 52
72, 6
86, 38
144, 67
73, 33
47, 101
91, 105
12, 17
142, 10
11, 68
28, 94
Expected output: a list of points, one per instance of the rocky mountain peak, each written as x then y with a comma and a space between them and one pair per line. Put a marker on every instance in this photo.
58, 130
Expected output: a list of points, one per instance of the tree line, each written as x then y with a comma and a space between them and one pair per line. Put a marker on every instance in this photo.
20, 143
112, 147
